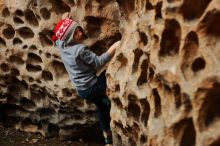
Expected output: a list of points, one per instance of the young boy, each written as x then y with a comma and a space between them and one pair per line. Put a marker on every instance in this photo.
82, 65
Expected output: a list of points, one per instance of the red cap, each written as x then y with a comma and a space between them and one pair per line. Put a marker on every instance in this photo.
62, 29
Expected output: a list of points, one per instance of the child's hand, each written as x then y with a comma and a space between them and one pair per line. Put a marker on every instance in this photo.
116, 45
111, 50
66, 15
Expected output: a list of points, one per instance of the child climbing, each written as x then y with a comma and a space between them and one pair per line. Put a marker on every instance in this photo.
82, 65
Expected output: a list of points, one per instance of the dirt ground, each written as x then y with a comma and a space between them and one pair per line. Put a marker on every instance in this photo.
12, 137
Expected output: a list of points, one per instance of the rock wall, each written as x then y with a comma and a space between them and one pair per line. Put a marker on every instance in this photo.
163, 81
36, 94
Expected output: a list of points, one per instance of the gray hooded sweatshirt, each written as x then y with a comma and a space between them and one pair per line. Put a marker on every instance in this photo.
81, 64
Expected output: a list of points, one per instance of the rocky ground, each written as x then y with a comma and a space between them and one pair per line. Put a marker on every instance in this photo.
11, 137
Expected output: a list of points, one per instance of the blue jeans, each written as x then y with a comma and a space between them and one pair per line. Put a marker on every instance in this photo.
97, 95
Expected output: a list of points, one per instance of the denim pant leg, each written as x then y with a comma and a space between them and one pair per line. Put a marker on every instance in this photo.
97, 95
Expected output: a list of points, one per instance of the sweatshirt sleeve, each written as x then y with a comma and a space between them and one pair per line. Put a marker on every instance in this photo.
91, 58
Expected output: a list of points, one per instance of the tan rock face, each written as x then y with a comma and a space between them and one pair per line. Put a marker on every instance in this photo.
36, 93
163, 81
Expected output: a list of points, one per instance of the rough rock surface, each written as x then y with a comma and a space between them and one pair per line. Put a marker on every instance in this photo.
163, 81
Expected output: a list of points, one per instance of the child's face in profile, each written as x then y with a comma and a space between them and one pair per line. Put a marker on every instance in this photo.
78, 35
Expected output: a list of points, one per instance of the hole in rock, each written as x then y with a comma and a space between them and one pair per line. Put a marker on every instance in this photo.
25, 47
157, 103
48, 55
38, 17
112, 39
15, 72
45, 36
142, 79
34, 58
156, 38
136, 129
9, 32
177, 95
78, 102
16, 41
128, 131
117, 87
118, 126
55, 56
30, 17
151, 74
38, 81
6, 111
137, 55
143, 139
10, 78
149, 6
190, 45
11, 99
16, 59
4, 67
143, 38
66, 92
145, 111
170, 42
132, 142
18, 20
93, 25
26, 103
122, 59
103, 2
19, 13
185, 129
32, 48
5, 12
211, 23
59, 69
192, 9
17, 88
158, 10
126, 5
31, 80
190, 50
46, 113
186, 102
47, 75
134, 110
209, 110
45, 13
98, 47
59, 6
25, 32
2, 42
37, 95
32, 68
216, 143
117, 102
27, 122
132, 97
53, 130
118, 138
198, 64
